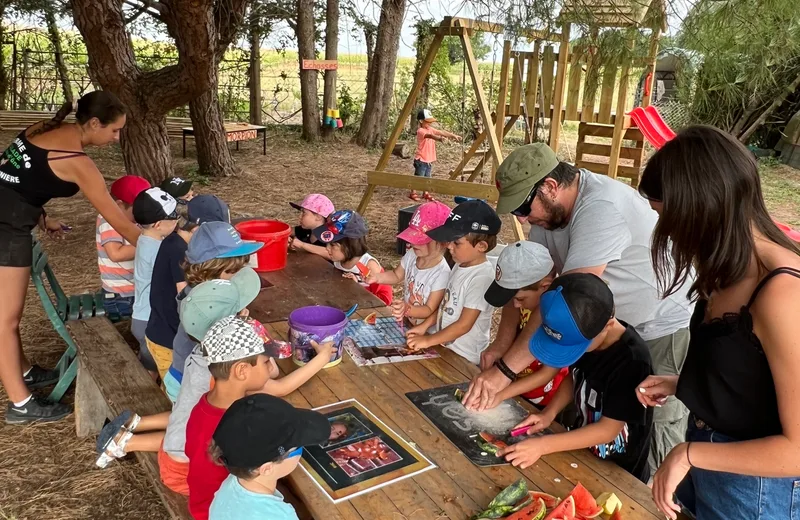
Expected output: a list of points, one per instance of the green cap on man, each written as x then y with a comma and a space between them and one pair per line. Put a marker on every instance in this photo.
520, 171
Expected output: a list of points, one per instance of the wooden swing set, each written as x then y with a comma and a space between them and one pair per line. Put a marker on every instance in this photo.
541, 78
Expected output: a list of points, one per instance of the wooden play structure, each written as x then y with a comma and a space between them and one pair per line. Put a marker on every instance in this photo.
543, 77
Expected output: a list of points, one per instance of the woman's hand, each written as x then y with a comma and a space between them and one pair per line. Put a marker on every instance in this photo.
672, 471
654, 390
54, 228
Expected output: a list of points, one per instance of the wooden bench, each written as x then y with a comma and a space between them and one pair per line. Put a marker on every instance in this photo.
110, 380
18, 120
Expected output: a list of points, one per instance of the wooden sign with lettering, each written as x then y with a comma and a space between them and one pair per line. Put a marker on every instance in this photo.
241, 135
320, 64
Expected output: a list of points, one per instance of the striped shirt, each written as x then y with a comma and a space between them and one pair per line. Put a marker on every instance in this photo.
116, 277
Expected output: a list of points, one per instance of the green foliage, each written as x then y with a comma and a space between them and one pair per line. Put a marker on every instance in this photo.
455, 51
350, 110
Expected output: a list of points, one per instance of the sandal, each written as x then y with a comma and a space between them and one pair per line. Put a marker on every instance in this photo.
413, 196
427, 196
114, 436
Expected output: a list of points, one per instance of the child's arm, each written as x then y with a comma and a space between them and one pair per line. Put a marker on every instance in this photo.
119, 252
311, 248
430, 308
450, 333
506, 333
541, 377
393, 277
438, 135
286, 385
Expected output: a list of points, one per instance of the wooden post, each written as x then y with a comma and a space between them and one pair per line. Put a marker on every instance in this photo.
652, 59
404, 113
472, 65
607, 94
619, 118
255, 73
548, 72
515, 101
591, 81
532, 88
558, 95
23, 91
574, 88
502, 93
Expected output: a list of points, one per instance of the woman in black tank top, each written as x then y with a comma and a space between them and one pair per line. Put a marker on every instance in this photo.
740, 378
44, 162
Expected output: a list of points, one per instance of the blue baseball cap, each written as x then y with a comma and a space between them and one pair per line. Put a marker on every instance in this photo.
218, 240
575, 309
207, 208
341, 224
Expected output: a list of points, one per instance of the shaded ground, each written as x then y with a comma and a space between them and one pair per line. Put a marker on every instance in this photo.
45, 471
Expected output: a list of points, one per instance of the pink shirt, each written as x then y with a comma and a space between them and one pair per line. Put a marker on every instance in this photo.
426, 148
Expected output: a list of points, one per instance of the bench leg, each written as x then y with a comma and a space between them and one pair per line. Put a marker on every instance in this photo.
65, 380
91, 409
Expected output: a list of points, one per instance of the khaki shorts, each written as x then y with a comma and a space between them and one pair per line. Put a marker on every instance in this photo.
161, 355
670, 420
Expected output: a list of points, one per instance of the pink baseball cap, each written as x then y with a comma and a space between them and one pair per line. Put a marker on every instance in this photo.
319, 204
127, 187
428, 216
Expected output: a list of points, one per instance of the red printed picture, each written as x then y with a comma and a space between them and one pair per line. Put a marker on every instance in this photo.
361, 457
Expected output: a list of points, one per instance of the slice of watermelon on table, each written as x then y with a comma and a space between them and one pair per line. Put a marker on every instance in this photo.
535, 511
372, 319
585, 504
549, 500
563, 511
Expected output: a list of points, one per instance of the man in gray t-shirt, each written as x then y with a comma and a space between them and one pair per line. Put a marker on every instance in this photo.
592, 223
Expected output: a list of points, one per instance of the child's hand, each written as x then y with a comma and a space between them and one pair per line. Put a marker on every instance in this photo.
351, 276
419, 330
418, 342
371, 278
296, 244
458, 138
523, 454
399, 308
273, 369
325, 350
244, 312
536, 423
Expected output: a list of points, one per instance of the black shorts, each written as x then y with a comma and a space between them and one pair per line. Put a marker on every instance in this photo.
17, 220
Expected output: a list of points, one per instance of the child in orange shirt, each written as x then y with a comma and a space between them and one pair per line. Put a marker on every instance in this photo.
427, 136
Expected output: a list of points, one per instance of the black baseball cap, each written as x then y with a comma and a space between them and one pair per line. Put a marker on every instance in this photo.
207, 208
262, 428
153, 205
574, 310
176, 186
472, 216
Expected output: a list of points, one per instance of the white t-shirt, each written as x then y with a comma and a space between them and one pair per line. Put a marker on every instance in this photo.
612, 224
364, 260
420, 283
465, 290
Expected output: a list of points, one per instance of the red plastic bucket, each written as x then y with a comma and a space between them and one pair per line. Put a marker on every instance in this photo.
275, 235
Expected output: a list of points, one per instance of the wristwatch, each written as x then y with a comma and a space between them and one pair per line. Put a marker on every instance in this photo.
501, 365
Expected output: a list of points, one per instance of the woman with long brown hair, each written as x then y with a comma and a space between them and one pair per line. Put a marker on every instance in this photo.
47, 161
740, 379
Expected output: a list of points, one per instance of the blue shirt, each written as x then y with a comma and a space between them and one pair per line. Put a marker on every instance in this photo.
233, 502
146, 252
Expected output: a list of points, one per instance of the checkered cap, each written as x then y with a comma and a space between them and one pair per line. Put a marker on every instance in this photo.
230, 339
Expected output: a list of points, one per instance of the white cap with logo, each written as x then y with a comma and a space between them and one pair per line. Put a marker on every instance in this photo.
519, 265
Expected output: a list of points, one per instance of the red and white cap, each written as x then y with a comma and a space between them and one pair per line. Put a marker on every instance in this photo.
428, 216
316, 202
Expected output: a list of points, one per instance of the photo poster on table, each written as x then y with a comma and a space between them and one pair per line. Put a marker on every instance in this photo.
383, 342
362, 454
478, 435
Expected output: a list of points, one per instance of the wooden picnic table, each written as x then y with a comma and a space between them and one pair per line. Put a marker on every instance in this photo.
307, 279
456, 489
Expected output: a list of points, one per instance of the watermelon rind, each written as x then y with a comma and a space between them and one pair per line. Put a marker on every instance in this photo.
550, 501
535, 511
563, 511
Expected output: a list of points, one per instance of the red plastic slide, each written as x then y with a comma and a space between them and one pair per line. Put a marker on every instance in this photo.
791, 233
653, 127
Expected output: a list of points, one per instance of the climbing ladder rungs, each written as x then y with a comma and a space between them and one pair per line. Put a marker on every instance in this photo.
604, 130
629, 172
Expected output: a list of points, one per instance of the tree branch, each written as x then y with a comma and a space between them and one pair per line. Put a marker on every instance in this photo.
778, 101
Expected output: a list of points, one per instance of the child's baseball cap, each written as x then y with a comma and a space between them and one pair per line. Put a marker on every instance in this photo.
211, 301
207, 208
153, 205
238, 337
519, 265
128, 187
426, 217
344, 223
575, 309
316, 203
425, 115
472, 216
218, 240
261, 428
176, 186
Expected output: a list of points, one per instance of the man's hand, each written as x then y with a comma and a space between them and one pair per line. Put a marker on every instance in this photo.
488, 357
484, 388
524, 454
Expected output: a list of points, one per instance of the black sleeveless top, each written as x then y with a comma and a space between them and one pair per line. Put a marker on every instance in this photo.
726, 380
25, 169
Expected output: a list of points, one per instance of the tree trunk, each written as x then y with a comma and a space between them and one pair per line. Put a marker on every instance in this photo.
255, 70
369, 41
23, 89
3, 73
422, 44
331, 53
778, 101
202, 29
55, 39
213, 155
308, 78
380, 84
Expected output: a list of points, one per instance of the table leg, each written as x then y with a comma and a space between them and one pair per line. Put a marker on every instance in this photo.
184, 146
237, 146
264, 148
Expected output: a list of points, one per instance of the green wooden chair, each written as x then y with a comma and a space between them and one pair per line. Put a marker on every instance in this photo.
61, 308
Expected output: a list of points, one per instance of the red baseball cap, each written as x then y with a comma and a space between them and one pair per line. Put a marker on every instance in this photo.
127, 187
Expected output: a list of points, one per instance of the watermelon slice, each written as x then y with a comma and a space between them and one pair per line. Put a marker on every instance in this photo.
563, 511
549, 500
535, 511
363, 269
494, 441
585, 505
372, 319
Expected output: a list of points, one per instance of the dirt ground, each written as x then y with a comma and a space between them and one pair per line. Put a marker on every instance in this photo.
45, 471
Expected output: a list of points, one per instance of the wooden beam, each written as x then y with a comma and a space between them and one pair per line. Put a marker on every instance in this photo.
472, 65
469, 23
558, 95
604, 150
404, 113
629, 172
548, 73
652, 58
502, 92
574, 88
469, 154
620, 121
607, 94
440, 186
532, 86
592, 78
516, 85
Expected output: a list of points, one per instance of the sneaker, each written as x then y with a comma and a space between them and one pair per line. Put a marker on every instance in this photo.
37, 409
40, 377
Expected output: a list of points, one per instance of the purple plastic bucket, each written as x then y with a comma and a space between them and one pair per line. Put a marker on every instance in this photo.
318, 323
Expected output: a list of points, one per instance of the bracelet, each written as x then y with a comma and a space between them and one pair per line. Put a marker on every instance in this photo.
689, 445
501, 365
